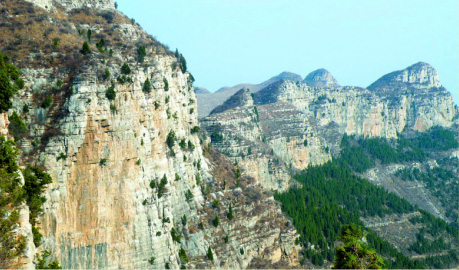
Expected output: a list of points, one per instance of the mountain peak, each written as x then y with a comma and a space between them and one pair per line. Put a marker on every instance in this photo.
286, 75
419, 75
320, 78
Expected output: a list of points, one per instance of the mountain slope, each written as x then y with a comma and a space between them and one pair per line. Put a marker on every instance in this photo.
289, 126
115, 126
208, 101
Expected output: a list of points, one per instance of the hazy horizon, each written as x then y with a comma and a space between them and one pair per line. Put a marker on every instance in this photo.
227, 42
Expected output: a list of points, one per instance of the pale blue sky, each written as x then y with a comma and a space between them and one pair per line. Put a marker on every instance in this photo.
227, 42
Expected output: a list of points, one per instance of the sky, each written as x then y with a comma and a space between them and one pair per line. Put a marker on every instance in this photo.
227, 42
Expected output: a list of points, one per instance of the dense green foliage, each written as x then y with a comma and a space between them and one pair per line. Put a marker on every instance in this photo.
110, 92
354, 254
10, 82
331, 195
141, 53
125, 69
42, 261
101, 45
85, 49
166, 85
146, 88
183, 256
47, 102
170, 140
181, 61
17, 127
11, 195
35, 181
210, 255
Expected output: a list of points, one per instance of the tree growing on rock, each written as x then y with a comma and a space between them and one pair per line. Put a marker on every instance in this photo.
354, 254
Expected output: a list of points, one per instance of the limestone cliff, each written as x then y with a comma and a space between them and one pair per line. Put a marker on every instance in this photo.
131, 185
299, 125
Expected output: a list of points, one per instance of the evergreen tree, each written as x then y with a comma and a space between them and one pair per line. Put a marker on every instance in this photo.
230, 213
85, 49
354, 254
210, 255
141, 53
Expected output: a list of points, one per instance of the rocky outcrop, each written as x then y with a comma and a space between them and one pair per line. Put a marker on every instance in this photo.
72, 4
207, 102
131, 185
320, 78
302, 125
420, 76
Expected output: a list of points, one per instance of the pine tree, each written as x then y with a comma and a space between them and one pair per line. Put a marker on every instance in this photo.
230, 213
210, 255
354, 254
85, 49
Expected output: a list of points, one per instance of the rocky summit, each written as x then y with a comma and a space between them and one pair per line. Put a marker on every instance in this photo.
293, 125
320, 78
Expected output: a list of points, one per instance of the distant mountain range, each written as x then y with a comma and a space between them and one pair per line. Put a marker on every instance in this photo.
207, 101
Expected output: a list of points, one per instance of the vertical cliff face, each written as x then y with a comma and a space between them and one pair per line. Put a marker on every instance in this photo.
299, 125
131, 185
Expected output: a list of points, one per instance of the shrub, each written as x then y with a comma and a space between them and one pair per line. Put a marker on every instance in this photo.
241, 250
124, 79
230, 213
106, 74
113, 108
216, 221
190, 146
175, 235
146, 86
25, 108
110, 93
226, 238
210, 255
141, 53
47, 103
151, 260
8, 72
182, 144
103, 162
195, 129
153, 184
100, 45
61, 156
170, 141
166, 85
182, 255
162, 186
189, 195
35, 181
215, 203
17, 127
85, 49
37, 236
89, 34
125, 69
